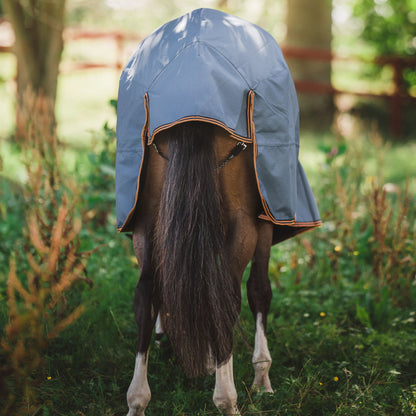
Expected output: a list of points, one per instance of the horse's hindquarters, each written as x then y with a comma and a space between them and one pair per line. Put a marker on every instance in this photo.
195, 230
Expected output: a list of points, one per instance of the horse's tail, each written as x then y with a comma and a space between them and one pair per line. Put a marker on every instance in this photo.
199, 298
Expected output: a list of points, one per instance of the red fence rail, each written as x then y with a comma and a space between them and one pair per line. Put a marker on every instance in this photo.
119, 39
397, 97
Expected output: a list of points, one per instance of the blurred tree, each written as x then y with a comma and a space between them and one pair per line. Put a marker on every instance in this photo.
389, 26
309, 26
38, 27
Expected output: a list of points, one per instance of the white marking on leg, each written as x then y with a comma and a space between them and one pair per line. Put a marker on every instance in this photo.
159, 331
159, 328
211, 365
138, 394
261, 358
225, 394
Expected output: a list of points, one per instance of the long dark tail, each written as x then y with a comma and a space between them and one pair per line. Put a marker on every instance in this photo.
199, 299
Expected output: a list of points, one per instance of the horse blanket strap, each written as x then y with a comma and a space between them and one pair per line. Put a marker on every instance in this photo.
159, 152
239, 147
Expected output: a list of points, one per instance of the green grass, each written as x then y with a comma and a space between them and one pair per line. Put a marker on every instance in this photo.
91, 363
340, 343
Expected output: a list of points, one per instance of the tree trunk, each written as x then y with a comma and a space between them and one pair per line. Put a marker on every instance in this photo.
309, 26
38, 26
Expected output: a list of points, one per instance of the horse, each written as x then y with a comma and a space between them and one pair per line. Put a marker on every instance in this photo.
194, 232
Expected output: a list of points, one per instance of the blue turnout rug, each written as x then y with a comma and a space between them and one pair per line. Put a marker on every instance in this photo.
211, 66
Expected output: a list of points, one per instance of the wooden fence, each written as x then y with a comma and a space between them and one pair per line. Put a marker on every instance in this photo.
398, 97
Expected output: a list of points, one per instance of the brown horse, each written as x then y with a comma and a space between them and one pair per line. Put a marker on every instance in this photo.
195, 231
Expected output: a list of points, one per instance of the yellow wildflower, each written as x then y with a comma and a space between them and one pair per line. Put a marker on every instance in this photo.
336, 378
322, 314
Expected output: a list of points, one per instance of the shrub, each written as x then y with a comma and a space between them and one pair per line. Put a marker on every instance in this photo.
43, 269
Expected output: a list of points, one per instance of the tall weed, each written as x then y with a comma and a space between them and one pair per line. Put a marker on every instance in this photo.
393, 242
43, 270
368, 234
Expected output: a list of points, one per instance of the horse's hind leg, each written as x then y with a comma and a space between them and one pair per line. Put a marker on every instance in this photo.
138, 394
225, 394
259, 297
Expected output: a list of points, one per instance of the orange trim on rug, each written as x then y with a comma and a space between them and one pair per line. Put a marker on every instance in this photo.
199, 118
251, 128
145, 135
268, 216
145, 131
294, 223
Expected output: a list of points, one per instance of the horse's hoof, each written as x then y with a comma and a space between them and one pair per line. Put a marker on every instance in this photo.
258, 388
136, 412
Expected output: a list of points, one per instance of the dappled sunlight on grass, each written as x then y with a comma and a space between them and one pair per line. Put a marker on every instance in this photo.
398, 158
82, 104
7, 93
